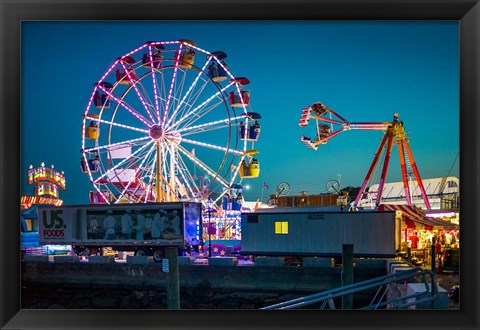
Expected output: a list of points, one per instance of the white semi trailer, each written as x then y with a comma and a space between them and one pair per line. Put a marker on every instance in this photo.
146, 229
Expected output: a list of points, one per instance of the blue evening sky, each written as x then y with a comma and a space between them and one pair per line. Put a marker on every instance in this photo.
365, 71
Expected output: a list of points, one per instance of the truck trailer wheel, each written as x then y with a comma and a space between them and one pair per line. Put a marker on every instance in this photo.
77, 250
158, 255
85, 252
140, 253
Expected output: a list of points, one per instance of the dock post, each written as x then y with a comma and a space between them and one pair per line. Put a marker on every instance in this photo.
173, 282
434, 259
347, 274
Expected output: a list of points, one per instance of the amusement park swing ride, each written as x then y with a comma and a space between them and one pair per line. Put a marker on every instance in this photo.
329, 124
168, 121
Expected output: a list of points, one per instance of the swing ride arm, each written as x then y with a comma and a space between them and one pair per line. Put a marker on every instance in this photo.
334, 124
329, 124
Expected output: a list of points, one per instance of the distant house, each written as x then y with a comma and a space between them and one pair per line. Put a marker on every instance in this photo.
443, 194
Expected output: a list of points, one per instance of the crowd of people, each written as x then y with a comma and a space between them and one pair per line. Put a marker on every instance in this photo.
421, 242
443, 238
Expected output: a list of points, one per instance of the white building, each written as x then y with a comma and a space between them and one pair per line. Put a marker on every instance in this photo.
442, 193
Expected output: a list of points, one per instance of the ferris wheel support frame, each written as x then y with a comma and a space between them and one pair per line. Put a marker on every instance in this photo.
394, 131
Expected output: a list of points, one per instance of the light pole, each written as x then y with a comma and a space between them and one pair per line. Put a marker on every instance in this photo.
209, 206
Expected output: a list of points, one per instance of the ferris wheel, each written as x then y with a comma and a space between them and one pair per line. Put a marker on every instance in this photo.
168, 121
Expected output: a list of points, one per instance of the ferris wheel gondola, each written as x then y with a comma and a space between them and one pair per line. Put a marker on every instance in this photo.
160, 126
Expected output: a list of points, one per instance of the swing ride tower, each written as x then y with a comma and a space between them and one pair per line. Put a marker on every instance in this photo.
330, 124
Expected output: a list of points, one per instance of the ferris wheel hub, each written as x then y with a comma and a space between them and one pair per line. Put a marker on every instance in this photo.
156, 132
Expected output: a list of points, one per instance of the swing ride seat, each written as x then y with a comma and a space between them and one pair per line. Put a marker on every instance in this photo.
308, 142
304, 117
303, 122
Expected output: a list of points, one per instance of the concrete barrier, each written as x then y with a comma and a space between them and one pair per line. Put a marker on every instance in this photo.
65, 259
240, 278
185, 260
440, 302
391, 263
404, 268
269, 261
222, 261
138, 260
317, 262
369, 263
101, 260
35, 258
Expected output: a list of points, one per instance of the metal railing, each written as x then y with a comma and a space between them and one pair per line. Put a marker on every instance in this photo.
384, 283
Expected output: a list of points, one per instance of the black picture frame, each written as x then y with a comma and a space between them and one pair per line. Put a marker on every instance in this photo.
467, 12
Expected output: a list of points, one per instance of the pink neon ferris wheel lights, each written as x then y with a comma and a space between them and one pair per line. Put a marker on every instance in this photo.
162, 92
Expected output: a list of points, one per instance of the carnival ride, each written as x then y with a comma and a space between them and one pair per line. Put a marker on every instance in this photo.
165, 124
47, 183
329, 124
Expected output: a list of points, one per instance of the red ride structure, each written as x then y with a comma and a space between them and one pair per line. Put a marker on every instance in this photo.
330, 124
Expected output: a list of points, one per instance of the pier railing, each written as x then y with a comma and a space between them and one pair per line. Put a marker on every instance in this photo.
385, 296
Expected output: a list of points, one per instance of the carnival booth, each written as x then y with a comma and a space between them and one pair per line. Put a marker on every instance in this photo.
419, 233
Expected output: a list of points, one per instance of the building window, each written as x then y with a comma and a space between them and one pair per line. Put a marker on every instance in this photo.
452, 184
281, 227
